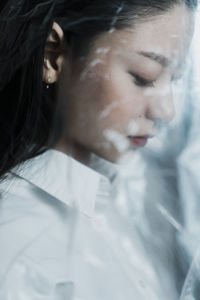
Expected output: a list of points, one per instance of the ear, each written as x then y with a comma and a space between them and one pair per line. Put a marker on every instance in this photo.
54, 54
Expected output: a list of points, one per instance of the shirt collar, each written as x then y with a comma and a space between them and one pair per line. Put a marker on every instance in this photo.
64, 178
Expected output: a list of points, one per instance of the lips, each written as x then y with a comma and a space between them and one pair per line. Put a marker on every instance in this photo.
139, 141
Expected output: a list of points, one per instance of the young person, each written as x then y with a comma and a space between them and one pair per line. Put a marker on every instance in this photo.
80, 78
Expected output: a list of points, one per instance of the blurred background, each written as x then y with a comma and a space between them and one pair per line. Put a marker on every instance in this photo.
163, 186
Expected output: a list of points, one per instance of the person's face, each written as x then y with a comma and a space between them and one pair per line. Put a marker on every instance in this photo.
118, 94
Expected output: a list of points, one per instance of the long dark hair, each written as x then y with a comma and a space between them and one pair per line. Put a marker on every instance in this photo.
28, 111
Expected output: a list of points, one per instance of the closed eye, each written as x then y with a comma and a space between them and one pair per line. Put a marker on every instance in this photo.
140, 81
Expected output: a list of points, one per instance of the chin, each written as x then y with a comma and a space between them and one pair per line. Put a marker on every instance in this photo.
114, 156
122, 157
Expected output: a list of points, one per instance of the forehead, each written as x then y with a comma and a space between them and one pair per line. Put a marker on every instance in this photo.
168, 34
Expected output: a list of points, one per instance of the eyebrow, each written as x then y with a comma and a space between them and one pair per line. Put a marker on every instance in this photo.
161, 59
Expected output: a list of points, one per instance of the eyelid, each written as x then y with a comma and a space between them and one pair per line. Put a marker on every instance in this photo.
140, 81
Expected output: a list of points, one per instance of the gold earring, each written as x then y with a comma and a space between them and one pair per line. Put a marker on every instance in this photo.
49, 81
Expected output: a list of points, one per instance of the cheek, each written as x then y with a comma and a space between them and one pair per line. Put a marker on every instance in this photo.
121, 95
100, 103
121, 106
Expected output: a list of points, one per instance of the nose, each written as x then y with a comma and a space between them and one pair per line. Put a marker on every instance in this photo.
161, 105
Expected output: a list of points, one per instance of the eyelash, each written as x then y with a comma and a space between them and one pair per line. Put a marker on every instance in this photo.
142, 82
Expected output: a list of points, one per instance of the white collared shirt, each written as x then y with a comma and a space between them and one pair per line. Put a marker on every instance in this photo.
62, 238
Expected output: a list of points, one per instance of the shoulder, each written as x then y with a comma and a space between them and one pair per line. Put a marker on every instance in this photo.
34, 234
21, 197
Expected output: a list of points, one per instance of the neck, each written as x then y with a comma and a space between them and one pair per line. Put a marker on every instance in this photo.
74, 150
